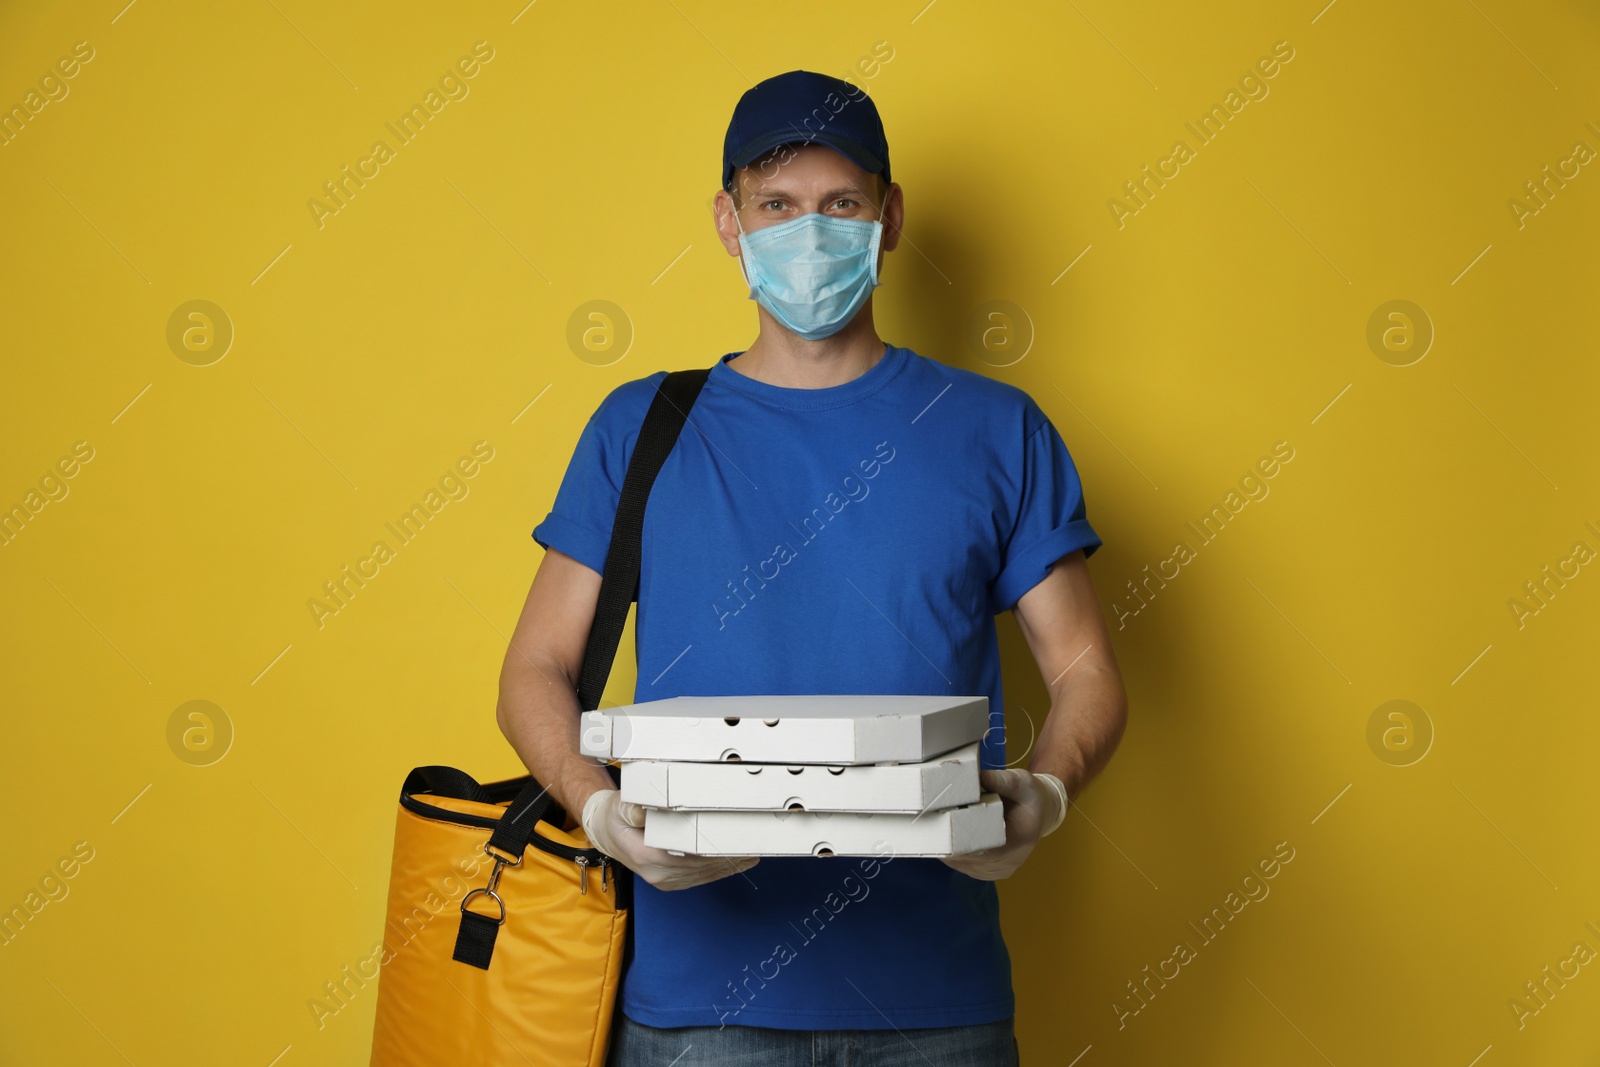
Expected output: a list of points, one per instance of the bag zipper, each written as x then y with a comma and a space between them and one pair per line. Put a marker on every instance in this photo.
583, 871
544, 844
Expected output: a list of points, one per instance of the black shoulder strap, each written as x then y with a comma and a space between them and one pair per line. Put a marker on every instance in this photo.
619, 584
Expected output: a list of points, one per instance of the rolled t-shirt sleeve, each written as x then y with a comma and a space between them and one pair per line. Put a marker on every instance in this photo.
1051, 519
585, 509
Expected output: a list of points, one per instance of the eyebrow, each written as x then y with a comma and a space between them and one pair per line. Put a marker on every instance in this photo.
761, 195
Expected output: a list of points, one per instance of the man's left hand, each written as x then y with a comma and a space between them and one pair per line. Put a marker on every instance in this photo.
1032, 808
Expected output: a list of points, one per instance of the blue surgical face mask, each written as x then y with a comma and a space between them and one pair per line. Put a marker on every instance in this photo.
812, 273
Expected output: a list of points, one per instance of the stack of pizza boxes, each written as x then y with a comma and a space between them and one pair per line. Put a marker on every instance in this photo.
803, 775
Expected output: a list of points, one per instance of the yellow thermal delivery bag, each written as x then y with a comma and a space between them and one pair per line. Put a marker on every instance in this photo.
526, 970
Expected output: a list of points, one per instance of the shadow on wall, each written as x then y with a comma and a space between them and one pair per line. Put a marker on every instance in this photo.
1070, 954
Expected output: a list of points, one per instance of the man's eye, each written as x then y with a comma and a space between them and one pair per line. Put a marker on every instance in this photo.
769, 203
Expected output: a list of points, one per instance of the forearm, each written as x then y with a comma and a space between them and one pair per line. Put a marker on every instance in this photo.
539, 714
1088, 711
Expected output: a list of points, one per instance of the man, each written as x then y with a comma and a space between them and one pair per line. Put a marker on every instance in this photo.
840, 516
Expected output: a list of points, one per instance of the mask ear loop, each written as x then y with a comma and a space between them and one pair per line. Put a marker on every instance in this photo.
737, 222
881, 226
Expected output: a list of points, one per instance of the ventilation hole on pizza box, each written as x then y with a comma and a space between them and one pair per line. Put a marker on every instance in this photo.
770, 722
835, 770
796, 770
753, 770
732, 720
823, 849
794, 804
731, 756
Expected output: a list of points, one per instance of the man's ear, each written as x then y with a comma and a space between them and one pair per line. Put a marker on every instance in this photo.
893, 217
721, 204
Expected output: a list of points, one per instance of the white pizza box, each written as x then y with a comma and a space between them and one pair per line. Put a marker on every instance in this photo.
947, 781
819, 833
787, 729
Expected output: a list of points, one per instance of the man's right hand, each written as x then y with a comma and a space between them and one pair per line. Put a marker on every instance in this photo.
616, 828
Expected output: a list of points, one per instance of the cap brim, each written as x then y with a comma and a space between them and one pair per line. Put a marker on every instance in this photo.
850, 149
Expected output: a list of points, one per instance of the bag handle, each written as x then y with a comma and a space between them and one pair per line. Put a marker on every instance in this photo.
619, 587
445, 782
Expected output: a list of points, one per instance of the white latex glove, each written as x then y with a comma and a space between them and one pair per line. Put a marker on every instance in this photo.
616, 827
1034, 806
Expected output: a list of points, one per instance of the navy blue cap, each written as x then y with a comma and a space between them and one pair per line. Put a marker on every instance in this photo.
802, 106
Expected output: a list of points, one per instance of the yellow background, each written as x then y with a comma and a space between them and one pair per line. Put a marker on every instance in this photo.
1228, 314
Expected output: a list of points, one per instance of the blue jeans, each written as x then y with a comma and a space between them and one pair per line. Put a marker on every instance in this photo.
634, 1044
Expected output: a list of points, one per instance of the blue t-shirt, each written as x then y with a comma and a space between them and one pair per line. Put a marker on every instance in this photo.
853, 539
